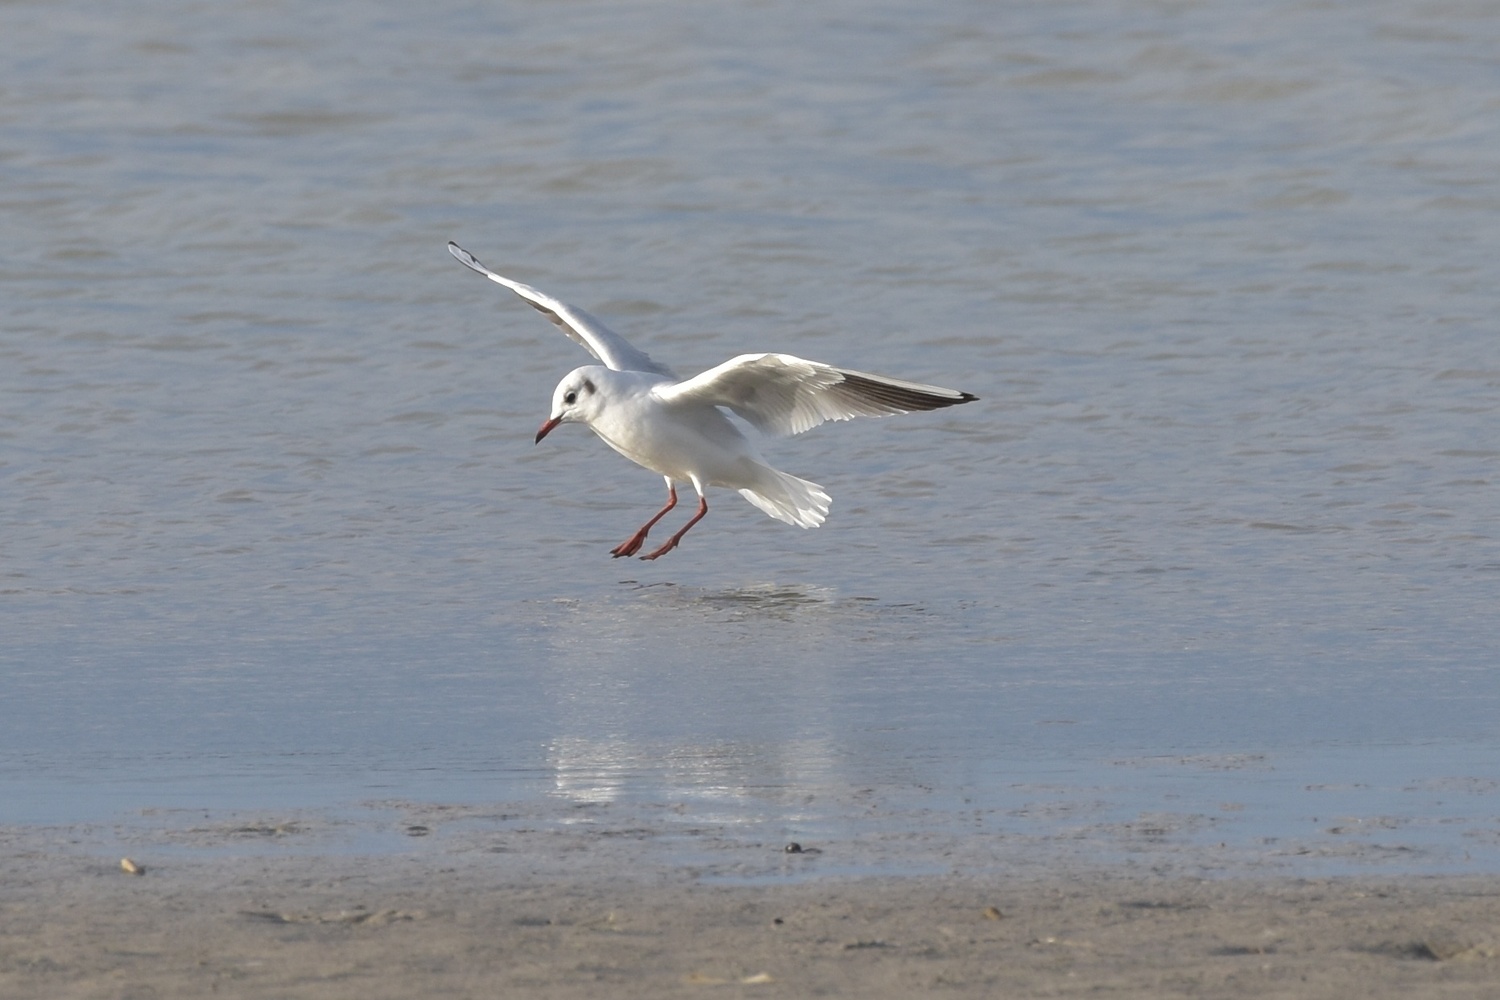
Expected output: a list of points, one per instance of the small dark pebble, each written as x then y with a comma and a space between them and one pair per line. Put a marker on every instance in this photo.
417, 831
793, 848
777, 921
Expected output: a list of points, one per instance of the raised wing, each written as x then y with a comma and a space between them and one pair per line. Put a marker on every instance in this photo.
600, 341
781, 394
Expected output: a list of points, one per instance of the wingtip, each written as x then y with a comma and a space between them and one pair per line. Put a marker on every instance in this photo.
466, 259
902, 396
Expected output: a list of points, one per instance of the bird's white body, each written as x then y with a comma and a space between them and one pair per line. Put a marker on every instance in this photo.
679, 428
685, 441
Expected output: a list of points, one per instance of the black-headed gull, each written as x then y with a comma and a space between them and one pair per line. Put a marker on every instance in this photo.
675, 427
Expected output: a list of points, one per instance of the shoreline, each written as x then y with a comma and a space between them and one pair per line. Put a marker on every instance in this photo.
440, 923
567, 900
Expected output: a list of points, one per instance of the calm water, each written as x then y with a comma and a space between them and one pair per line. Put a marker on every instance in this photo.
274, 532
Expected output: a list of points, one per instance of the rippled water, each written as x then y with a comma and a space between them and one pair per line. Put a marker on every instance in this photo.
274, 530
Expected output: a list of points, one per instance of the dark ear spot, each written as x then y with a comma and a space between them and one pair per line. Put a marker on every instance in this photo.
588, 386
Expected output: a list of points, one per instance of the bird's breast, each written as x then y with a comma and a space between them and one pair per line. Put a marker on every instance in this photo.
674, 442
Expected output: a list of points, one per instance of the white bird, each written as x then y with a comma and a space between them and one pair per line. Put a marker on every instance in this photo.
677, 429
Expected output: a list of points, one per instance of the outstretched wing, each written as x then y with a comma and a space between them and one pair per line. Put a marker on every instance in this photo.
780, 394
598, 339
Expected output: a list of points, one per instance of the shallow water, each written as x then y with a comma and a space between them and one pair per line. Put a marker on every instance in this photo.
276, 534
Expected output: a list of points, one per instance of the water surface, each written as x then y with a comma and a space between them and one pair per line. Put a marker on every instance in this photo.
275, 534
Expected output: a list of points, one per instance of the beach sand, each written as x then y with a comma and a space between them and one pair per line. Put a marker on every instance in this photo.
74, 925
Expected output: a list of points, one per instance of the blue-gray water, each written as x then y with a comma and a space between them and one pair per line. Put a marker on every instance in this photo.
274, 532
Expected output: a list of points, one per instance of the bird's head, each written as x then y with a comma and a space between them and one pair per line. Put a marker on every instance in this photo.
576, 399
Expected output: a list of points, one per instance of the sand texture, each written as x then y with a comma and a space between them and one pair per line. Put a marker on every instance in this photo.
369, 927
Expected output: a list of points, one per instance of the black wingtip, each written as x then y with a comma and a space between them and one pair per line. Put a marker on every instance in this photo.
963, 397
905, 398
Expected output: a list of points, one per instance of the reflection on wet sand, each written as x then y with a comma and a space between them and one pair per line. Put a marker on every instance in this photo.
745, 777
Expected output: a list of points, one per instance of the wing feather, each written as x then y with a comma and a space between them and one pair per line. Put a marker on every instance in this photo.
781, 394
599, 340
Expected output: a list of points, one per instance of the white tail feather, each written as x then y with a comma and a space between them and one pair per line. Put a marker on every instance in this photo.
787, 498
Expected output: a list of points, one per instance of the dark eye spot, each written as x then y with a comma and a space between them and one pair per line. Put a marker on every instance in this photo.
588, 387
570, 398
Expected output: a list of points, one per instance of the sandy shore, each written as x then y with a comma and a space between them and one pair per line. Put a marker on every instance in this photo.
444, 926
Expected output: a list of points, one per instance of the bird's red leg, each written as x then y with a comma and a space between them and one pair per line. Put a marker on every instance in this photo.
633, 544
672, 542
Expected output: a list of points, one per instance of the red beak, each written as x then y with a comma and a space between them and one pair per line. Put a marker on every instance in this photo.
547, 428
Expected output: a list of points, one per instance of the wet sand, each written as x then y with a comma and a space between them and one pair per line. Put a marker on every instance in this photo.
444, 925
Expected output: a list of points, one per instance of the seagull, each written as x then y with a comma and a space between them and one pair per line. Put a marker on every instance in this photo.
678, 429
